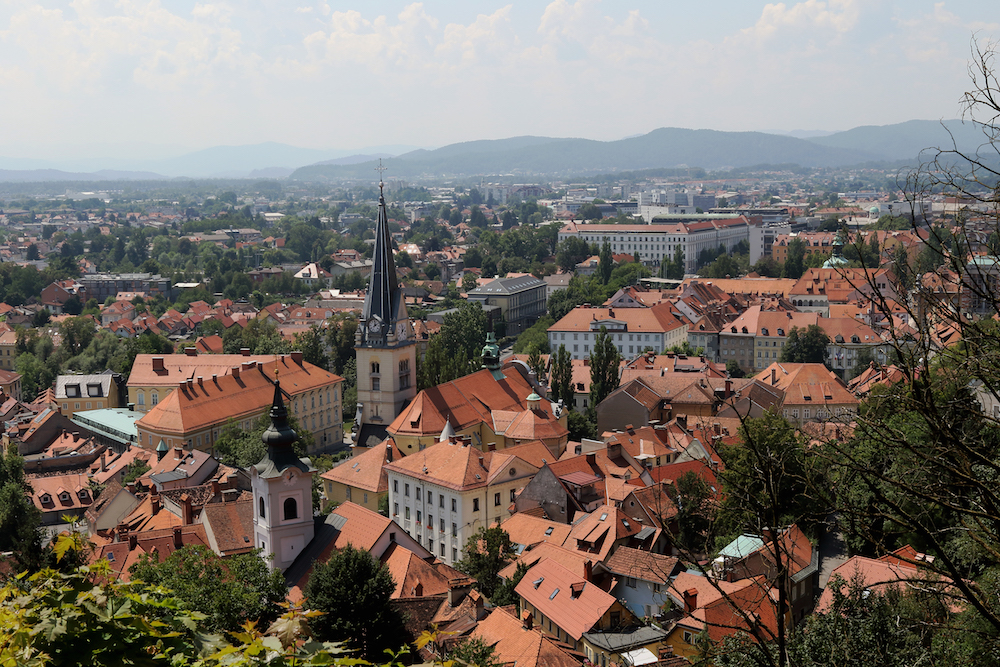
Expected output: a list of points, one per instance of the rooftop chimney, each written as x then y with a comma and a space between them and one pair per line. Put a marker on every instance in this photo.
187, 514
158, 364
154, 504
236, 372
178, 453
774, 376
178, 539
191, 351
201, 381
133, 541
729, 388
690, 600
527, 620
245, 351
297, 357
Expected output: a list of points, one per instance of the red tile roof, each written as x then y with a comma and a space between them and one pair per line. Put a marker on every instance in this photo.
549, 588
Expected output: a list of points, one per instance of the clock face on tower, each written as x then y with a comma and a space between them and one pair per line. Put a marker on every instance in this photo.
401, 331
374, 326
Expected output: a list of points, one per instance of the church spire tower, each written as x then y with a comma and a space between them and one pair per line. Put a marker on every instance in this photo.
384, 345
282, 491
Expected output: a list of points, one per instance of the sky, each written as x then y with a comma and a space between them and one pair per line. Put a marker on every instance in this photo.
147, 78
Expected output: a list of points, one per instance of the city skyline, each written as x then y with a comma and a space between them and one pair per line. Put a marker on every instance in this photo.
143, 79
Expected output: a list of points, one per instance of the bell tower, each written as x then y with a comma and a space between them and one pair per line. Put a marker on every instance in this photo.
282, 492
385, 350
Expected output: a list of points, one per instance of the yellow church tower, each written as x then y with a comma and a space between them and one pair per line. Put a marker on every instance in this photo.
385, 349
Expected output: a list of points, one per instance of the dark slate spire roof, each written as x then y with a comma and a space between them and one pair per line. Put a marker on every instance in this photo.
383, 298
280, 439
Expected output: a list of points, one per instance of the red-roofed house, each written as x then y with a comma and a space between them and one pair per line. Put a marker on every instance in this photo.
566, 606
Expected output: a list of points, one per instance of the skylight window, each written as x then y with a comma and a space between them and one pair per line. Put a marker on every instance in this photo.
554, 594
538, 582
604, 516
548, 531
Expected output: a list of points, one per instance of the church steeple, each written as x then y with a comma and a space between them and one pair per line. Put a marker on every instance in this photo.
282, 491
384, 343
280, 440
382, 309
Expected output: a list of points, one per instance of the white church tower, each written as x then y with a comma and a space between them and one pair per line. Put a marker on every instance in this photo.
282, 492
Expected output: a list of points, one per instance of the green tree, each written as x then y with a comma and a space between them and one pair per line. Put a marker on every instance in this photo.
604, 367
19, 518
313, 347
353, 590
605, 264
535, 336
243, 448
589, 212
477, 218
86, 616
475, 652
561, 385
505, 593
486, 552
77, 332
806, 346
455, 351
229, 592
795, 262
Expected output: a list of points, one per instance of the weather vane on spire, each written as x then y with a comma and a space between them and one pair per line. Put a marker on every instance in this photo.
380, 169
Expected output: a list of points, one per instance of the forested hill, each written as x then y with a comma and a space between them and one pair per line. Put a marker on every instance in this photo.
666, 147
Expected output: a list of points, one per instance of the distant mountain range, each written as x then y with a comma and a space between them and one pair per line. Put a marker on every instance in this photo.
666, 147
525, 156
265, 160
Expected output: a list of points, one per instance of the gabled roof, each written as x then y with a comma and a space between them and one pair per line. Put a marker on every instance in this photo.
468, 401
527, 529
513, 644
366, 470
638, 564
807, 384
416, 577
601, 531
571, 602
198, 406
229, 526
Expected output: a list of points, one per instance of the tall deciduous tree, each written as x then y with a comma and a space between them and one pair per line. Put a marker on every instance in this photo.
604, 362
19, 518
805, 346
486, 552
561, 385
353, 590
605, 263
229, 592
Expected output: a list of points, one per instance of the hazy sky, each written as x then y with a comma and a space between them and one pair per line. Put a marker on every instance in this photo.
177, 75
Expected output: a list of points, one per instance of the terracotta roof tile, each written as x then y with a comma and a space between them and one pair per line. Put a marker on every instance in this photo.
548, 587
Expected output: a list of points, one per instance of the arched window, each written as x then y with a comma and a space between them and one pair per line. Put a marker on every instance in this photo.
262, 516
374, 367
291, 509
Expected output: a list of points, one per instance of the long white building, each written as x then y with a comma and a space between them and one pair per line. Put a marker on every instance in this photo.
653, 241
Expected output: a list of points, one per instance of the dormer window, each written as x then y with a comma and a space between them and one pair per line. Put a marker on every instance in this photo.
763, 331
73, 391
64, 496
82, 493
46, 499
94, 390
855, 339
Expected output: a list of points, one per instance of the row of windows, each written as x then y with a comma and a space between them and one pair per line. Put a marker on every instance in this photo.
586, 336
89, 404
430, 495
